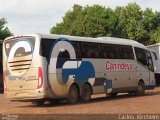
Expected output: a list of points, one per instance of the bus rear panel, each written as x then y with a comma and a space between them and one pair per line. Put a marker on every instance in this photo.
23, 78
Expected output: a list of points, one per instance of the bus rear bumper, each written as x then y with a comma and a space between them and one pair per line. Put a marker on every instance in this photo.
25, 95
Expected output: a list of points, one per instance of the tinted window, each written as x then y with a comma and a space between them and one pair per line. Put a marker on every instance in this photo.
126, 52
20, 50
63, 54
91, 50
150, 62
77, 49
46, 47
62, 58
110, 51
141, 56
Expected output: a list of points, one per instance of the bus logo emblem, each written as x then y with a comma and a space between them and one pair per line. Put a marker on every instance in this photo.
7, 45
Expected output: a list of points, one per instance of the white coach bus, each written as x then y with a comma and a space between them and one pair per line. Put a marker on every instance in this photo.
41, 67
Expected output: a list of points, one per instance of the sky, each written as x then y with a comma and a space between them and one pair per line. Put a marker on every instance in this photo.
39, 16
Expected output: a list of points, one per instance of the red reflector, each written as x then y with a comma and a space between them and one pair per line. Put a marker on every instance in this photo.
40, 78
46, 89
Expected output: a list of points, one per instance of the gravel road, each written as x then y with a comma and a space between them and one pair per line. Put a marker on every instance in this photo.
123, 103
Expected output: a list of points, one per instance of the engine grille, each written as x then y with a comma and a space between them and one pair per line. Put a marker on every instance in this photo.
19, 66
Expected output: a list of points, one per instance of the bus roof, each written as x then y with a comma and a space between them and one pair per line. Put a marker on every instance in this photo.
154, 45
110, 40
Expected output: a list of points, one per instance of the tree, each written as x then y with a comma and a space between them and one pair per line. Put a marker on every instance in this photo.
130, 22
87, 21
4, 31
155, 36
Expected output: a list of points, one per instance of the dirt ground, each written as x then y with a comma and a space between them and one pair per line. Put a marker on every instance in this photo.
123, 103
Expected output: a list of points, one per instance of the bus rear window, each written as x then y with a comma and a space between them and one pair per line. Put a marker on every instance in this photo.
17, 45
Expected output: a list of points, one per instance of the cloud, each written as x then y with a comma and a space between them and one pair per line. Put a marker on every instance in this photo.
38, 16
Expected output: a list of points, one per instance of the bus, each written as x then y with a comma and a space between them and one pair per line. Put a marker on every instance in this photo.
155, 52
42, 67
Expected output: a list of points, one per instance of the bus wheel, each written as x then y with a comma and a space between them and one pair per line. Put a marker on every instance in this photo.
86, 93
73, 95
140, 89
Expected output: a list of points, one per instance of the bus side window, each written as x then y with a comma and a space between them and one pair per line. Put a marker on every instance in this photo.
91, 50
110, 51
46, 47
141, 56
77, 49
126, 52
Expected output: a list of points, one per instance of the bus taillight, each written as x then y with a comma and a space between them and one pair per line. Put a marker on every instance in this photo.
40, 78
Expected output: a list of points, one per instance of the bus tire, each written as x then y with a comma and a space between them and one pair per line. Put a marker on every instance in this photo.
86, 93
73, 94
140, 89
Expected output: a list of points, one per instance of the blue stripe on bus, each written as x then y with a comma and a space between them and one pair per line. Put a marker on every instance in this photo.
83, 73
150, 86
55, 42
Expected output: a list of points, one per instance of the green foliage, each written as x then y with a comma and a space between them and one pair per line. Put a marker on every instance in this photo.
155, 35
4, 31
91, 21
129, 22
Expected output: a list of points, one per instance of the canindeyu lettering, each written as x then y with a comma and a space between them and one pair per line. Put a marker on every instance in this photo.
119, 66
